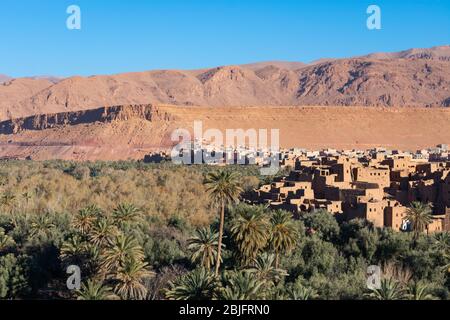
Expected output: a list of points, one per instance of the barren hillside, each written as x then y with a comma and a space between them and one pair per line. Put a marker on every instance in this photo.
130, 132
13, 91
412, 78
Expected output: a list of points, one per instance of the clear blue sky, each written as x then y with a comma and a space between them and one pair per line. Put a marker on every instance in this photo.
137, 35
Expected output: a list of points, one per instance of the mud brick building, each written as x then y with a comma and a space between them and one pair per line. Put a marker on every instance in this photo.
377, 185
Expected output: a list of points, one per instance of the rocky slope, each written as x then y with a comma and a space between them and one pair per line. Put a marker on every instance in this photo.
411, 78
367, 82
93, 116
130, 132
13, 91
435, 53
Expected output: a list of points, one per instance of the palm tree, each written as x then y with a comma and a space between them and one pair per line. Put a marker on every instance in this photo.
446, 267
27, 196
390, 289
196, 285
419, 215
419, 291
299, 292
5, 241
283, 234
129, 279
223, 189
85, 218
250, 230
264, 269
73, 250
121, 248
7, 200
94, 290
442, 242
243, 286
41, 226
126, 213
17, 220
442, 246
102, 232
204, 244
94, 259
24, 202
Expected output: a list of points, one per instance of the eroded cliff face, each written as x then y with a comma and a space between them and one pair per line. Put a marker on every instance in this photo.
121, 133
146, 112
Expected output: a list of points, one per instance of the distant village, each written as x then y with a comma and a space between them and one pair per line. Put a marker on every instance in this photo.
375, 184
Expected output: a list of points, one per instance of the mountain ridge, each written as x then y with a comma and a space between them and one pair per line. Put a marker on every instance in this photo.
409, 78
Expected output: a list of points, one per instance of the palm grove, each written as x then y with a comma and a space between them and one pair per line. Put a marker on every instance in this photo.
168, 232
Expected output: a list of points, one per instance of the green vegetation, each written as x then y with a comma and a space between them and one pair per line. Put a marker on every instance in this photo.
419, 214
223, 188
142, 231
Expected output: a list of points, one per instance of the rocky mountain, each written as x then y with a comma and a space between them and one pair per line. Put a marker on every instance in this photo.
289, 65
99, 115
436, 53
370, 82
411, 78
13, 91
